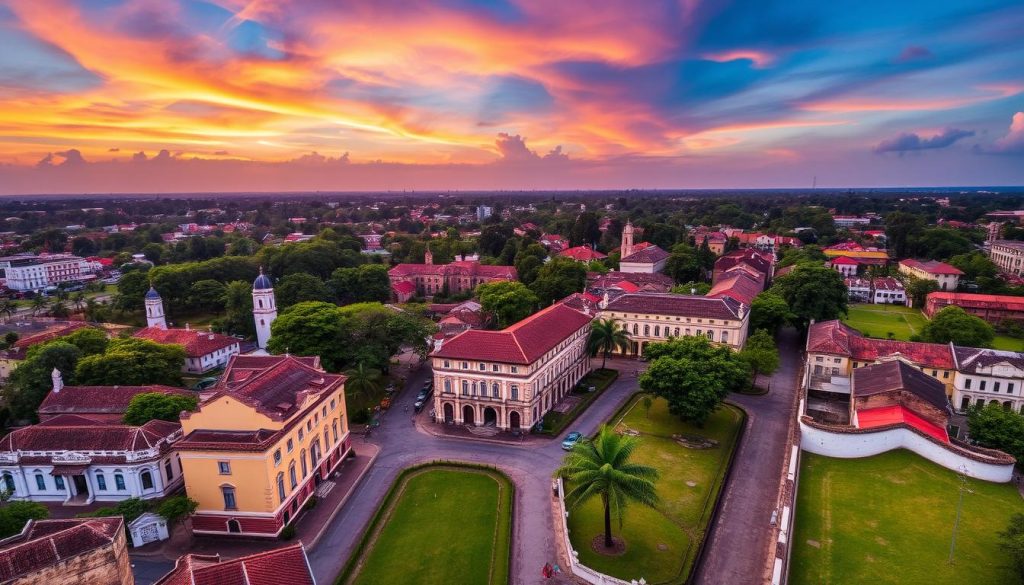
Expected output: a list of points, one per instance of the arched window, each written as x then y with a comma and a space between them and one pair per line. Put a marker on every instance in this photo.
447, 386
101, 481
119, 480
327, 437
334, 427
280, 486
635, 328
495, 391
647, 329
514, 392
228, 492
169, 469
147, 479
711, 335
9, 483
40, 480
291, 475
302, 460
677, 332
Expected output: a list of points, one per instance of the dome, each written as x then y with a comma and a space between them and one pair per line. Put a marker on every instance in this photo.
152, 294
262, 282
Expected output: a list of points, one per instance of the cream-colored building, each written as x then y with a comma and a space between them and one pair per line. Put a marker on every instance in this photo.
511, 378
654, 317
1008, 256
946, 276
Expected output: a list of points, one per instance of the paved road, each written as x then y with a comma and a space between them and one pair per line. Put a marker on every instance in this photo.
529, 467
739, 540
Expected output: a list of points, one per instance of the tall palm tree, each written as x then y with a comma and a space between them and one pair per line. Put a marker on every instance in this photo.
602, 468
7, 309
39, 304
362, 380
607, 335
78, 301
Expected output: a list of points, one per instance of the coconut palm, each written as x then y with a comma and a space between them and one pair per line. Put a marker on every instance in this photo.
7, 309
362, 380
607, 335
602, 468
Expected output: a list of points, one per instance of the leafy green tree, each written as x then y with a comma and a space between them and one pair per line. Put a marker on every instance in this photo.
939, 244
363, 381
153, 252
132, 361
974, 265
900, 230
90, 340
996, 427
607, 335
300, 288
131, 290
693, 375
366, 283
311, 328
177, 508
692, 288
31, 380
918, 289
768, 311
528, 262
805, 255
158, 406
508, 301
683, 264
956, 325
7, 309
238, 318
813, 292
1011, 541
761, 354
207, 295
39, 305
493, 239
558, 279
603, 468
14, 515
585, 230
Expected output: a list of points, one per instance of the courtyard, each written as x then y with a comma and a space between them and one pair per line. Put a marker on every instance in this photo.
439, 524
661, 544
889, 519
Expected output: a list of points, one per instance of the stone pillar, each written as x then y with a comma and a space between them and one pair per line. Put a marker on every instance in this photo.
132, 477
68, 482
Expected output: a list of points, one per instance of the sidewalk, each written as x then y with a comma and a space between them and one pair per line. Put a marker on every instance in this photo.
525, 439
310, 526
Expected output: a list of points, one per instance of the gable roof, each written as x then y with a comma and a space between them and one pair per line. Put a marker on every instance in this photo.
196, 343
724, 307
100, 399
972, 360
978, 301
582, 254
836, 338
76, 433
738, 285
283, 565
931, 266
897, 375
43, 543
520, 343
650, 254
277, 389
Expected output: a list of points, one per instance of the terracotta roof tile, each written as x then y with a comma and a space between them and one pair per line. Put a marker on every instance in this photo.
679, 305
931, 266
196, 343
284, 565
74, 433
738, 285
43, 543
650, 254
834, 337
100, 399
978, 301
582, 254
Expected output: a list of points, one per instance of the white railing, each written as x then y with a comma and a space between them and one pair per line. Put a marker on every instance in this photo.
578, 569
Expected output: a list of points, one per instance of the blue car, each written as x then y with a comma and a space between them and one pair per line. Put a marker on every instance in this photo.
571, 439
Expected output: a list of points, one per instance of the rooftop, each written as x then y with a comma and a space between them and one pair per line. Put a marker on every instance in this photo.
931, 266
283, 565
973, 300
100, 399
678, 305
895, 376
43, 543
196, 343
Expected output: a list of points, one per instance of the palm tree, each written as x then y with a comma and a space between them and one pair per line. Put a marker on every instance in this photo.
362, 380
7, 309
602, 468
607, 335
78, 301
39, 304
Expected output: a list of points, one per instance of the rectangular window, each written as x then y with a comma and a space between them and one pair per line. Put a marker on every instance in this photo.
101, 482
465, 365
995, 387
981, 385
1009, 388
277, 457
483, 367
819, 359
229, 498
515, 370
447, 364
224, 467
301, 435
514, 390
967, 383
119, 482
935, 374
59, 480
40, 481
945, 375
290, 445
495, 368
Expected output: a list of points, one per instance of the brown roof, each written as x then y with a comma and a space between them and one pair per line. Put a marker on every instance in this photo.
241, 367
43, 543
648, 255
897, 375
196, 343
978, 301
738, 285
759, 261
465, 267
931, 266
973, 360
283, 565
521, 343
100, 399
76, 433
279, 387
678, 305
834, 337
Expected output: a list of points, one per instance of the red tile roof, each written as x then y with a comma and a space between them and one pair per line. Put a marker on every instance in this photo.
583, 254
277, 389
931, 266
75, 433
896, 376
679, 305
836, 338
978, 301
738, 285
521, 343
283, 565
649, 254
196, 343
404, 287
466, 267
99, 399
48, 334
44, 543
845, 260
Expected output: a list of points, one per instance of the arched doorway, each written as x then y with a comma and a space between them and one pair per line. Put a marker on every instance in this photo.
467, 414
449, 413
234, 526
513, 420
490, 416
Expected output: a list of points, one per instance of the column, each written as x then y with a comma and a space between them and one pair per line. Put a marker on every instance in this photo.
90, 485
132, 477
68, 480
158, 478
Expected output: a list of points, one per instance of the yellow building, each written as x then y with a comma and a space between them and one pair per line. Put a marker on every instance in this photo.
269, 432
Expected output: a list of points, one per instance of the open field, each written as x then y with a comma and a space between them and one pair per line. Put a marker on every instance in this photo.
439, 525
662, 543
889, 519
880, 320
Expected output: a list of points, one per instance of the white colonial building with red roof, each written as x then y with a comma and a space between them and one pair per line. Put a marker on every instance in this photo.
511, 378
655, 317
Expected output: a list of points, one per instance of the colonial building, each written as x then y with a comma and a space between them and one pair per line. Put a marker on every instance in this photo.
83, 551
992, 308
511, 378
843, 265
758, 264
946, 276
28, 272
598, 282
78, 460
204, 350
641, 257
101, 403
1008, 255
455, 278
886, 290
582, 254
737, 284
273, 567
649, 318
985, 376
155, 318
270, 431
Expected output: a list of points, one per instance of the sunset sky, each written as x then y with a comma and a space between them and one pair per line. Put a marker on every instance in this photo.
225, 95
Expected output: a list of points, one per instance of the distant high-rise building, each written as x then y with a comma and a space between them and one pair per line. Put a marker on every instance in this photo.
483, 212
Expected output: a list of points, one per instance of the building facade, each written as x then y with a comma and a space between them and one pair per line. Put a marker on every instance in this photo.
455, 278
992, 308
513, 377
1008, 255
204, 350
651, 318
38, 272
273, 428
946, 276
155, 317
986, 376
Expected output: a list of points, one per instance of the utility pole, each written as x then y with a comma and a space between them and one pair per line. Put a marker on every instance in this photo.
960, 504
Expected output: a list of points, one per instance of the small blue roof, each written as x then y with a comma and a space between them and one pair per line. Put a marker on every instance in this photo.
262, 282
152, 294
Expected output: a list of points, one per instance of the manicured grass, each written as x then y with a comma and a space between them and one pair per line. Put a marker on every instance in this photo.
555, 422
880, 320
1008, 343
889, 519
662, 543
439, 525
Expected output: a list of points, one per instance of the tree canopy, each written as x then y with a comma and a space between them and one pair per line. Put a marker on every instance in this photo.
132, 361
760, 354
299, 288
996, 427
768, 311
956, 325
557, 279
158, 406
812, 292
507, 301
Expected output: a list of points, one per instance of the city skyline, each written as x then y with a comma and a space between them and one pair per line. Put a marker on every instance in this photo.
250, 96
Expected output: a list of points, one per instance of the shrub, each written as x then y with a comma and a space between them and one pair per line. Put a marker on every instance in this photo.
288, 533
361, 416
310, 504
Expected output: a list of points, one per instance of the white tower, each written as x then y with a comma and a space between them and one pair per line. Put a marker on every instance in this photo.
264, 308
627, 240
155, 310
58, 380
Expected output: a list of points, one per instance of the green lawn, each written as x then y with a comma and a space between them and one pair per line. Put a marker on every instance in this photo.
662, 543
889, 519
1008, 343
880, 320
439, 525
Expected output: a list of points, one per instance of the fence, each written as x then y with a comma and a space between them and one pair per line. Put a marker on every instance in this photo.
580, 570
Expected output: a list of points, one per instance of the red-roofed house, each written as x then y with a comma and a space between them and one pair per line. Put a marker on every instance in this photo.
582, 254
511, 378
738, 285
844, 265
455, 278
653, 317
273, 567
992, 308
102, 403
83, 551
947, 277
273, 428
204, 350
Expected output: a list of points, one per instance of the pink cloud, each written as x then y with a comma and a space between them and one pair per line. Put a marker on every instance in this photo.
1013, 142
758, 59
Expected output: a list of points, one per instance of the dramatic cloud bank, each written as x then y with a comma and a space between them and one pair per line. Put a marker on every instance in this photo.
910, 141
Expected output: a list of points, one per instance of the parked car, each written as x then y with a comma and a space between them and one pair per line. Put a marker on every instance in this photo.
420, 403
571, 439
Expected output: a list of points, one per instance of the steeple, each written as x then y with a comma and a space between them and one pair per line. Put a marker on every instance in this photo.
155, 309
428, 257
264, 308
627, 240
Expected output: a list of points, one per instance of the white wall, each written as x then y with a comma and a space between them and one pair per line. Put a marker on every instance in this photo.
855, 445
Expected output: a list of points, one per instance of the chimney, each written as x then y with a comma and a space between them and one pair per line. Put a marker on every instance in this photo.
58, 380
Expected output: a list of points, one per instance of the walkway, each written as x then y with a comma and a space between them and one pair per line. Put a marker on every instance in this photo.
739, 540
